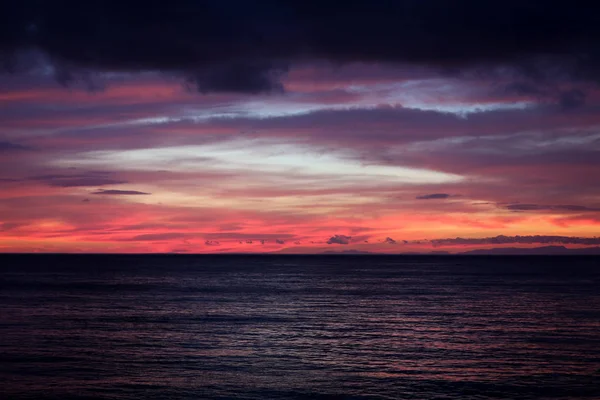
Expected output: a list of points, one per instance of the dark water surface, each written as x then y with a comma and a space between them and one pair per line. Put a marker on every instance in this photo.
279, 327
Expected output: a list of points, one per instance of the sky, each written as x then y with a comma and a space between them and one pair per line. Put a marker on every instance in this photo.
298, 126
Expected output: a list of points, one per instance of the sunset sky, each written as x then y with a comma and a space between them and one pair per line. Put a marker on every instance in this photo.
298, 127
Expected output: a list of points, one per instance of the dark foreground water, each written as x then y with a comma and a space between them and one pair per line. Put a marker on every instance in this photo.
279, 327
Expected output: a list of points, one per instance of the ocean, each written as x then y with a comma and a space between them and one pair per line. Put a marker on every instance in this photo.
299, 327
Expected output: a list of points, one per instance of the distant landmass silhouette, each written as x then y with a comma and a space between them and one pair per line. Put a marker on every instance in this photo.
545, 250
348, 252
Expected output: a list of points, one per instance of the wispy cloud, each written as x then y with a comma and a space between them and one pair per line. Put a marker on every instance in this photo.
120, 192
542, 207
433, 196
7, 147
92, 178
159, 236
501, 239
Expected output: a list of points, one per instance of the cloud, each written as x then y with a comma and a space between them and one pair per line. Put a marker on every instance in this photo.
85, 200
212, 243
389, 240
92, 178
567, 99
433, 196
159, 236
245, 47
86, 182
501, 239
7, 147
541, 207
245, 77
7, 226
279, 241
572, 98
246, 237
120, 192
339, 239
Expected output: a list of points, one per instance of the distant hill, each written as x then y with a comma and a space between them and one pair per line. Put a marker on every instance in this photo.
546, 250
348, 252
499, 251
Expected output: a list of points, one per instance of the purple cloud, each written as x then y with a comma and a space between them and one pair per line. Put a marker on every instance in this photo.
501, 239
433, 196
541, 207
6, 147
92, 178
120, 192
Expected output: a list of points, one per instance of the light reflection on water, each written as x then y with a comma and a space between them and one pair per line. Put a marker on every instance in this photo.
299, 327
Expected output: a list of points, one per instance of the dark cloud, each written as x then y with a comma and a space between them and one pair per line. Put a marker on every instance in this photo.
245, 46
389, 240
279, 241
339, 239
567, 99
527, 207
541, 207
212, 243
8, 147
92, 178
94, 181
525, 89
252, 78
433, 196
120, 192
572, 98
499, 240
